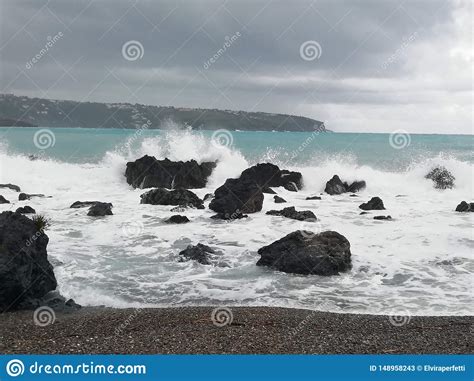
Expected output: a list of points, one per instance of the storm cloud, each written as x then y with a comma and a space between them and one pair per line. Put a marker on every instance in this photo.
359, 65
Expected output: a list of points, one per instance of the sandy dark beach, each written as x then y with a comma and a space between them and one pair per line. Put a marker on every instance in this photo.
253, 330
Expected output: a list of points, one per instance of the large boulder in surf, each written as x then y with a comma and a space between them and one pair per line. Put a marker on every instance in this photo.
465, 207
442, 178
375, 203
148, 172
303, 252
291, 212
237, 196
269, 175
336, 186
199, 253
180, 196
26, 275
100, 209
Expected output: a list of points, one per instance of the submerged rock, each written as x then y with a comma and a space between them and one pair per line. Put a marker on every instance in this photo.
177, 219
25, 272
229, 217
3, 200
237, 196
303, 252
291, 212
148, 172
442, 178
336, 186
465, 207
13, 187
181, 197
83, 204
313, 198
382, 217
375, 203
100, 209
200, 253
26, 196
278, 200
25, 210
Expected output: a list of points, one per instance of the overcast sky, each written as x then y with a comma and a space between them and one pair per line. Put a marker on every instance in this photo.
359, 65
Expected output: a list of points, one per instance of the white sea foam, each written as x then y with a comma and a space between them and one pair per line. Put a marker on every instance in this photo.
421, 261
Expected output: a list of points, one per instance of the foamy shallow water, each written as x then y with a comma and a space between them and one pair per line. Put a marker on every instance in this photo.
420, 263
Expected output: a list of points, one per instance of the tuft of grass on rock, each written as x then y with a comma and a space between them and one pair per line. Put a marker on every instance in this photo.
41, 222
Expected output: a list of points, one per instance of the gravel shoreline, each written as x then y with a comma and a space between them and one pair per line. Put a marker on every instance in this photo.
253, 330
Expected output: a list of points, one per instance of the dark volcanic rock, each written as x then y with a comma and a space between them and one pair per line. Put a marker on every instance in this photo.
291, 186
200, 253
25, 272
181, 197
100, 209
26, 196
303, 252
375, 203
26, 210
268, 190
177, 219
237, 196
3, 200
465, 207
313, 198
382, 217
290, 212
59, 303
278, 200
269, 175
83, 204
442, 178
13, 187
228, 217
336, 186
148, 172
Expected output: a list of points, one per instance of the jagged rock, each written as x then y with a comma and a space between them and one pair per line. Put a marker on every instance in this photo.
465, 207
200, 253
375, 203
237, 196
336, 186
291, 186
228, 217
177, 219
26, 210
278, 200
269, 175
268, 190
13, 187
180, 196
303, 252
148, 172
83, 204
382, 217
100, 209
290, 212
313, 198
442, 178
25, 272
3, 200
